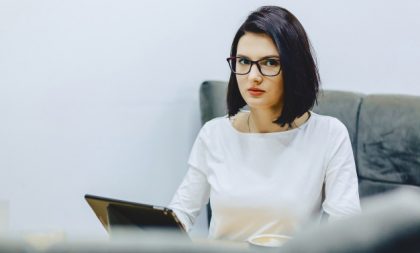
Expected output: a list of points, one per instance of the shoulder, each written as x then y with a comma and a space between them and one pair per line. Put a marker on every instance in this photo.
215, 122
328, 124
214, 125
333, 134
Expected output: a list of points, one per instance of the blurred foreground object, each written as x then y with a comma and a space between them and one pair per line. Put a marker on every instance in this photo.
389, 223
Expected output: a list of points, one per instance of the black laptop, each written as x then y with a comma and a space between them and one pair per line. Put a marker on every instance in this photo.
114, 213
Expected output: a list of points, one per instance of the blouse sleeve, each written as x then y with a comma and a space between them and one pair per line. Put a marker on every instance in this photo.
194, 191
341, 184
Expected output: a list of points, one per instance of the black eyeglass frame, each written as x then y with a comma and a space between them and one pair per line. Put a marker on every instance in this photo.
250, 67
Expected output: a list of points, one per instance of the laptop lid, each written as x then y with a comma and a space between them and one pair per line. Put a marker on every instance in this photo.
119, 213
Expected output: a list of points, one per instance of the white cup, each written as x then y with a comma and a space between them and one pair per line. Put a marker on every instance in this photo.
268, 240
4, 216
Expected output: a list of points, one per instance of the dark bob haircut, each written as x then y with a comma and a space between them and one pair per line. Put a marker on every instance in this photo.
300, 73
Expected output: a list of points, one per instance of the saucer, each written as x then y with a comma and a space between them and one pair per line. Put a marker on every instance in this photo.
269, 240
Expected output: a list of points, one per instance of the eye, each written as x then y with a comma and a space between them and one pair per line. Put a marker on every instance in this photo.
270, 62
243, 61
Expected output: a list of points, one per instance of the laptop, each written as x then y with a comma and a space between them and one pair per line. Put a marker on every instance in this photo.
114, 213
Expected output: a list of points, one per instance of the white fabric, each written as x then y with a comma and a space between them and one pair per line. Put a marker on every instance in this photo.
268, 182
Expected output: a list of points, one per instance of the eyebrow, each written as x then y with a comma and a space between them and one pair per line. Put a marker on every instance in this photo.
267, 56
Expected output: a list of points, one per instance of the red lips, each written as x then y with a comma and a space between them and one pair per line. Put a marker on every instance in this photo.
255, 91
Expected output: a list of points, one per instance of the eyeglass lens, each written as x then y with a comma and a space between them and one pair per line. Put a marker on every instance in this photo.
267, 66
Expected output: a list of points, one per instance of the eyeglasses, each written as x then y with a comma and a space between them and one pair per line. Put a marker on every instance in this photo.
269, 66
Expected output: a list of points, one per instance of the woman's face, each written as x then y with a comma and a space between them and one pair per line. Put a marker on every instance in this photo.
256, 46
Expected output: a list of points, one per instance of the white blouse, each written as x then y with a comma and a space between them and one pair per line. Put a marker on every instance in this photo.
268, 182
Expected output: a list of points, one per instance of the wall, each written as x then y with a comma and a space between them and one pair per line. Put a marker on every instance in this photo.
101, 96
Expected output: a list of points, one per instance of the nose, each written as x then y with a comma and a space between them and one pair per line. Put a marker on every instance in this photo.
254, 74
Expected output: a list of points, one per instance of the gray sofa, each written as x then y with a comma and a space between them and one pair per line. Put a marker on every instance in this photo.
385, 135
384, 131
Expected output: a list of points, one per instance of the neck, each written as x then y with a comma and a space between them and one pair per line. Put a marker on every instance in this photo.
261, 121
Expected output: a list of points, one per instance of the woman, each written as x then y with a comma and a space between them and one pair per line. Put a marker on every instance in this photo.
278, 166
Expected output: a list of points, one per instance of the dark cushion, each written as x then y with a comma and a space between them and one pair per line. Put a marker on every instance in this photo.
212, 100
369, 187
388, 140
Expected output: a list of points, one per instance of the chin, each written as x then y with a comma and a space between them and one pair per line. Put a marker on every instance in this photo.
258, 106
262, 105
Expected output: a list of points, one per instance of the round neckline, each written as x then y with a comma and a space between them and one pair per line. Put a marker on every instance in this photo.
287, 132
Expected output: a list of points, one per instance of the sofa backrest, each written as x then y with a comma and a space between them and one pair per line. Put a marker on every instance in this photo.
384, 131
340, 104
212, 100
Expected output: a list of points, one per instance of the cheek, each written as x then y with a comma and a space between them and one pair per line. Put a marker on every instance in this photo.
242, 82
280, 85
278, 89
